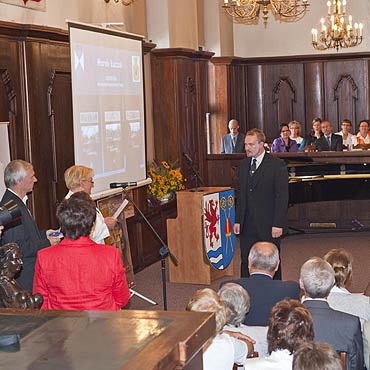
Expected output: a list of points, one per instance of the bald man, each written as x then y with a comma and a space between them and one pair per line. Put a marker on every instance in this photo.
234, 141
329, 141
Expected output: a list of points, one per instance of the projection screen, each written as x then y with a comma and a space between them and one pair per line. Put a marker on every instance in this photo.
108, 104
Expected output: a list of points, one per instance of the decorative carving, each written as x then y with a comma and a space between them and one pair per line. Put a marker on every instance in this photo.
12, 295
9, 89
277, 88
341, 80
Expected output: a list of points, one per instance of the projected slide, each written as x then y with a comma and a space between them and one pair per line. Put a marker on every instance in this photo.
108, 105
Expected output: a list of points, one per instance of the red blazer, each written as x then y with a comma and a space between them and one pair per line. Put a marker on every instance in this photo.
81, 275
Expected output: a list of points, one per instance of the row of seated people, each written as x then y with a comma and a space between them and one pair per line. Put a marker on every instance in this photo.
256, 304
321, 137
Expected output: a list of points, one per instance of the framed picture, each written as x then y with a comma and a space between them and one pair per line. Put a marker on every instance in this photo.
31, 4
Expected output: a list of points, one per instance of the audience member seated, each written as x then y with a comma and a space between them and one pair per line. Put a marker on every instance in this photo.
12, 295
309, 143
339, 329
223, 350
346, 133
237, 302
340, 298
290, 326
329, 141
295, 129
80, 178
284, 143
316, 356
362, 139
263, 262
80, 274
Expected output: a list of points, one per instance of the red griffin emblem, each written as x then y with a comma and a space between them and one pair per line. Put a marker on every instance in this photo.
211, 221
26, 1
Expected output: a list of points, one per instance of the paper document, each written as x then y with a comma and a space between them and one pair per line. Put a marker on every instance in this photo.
120, 208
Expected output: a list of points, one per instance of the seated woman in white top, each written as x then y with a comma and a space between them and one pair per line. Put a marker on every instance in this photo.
237, 301
80, 178
222, 351
340, 298
290, 325
295, 130
346, 133
363, 135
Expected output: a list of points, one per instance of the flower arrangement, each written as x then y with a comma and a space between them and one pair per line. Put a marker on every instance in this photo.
165, 179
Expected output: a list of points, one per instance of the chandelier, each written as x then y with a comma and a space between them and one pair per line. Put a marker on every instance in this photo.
247, 11
124, 2
337, 31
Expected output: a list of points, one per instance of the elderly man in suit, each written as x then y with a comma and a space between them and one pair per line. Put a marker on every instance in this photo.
329, 141
262, 204
19, 179
264, 292
339, 329
234, 141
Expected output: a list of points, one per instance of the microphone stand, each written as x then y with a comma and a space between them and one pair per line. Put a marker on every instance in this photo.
164, 250
196, 174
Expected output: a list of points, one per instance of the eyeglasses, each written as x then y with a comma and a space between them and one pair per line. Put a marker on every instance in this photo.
91, 181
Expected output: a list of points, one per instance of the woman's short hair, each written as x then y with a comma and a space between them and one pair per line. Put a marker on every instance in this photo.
292, 123
15, 171
316, 356
290, 325
76, 215
73, 176
316, 119
6, 251
207, 300
341, 261
237, 302
282, 125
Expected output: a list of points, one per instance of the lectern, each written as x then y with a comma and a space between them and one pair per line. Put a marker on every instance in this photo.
186, 240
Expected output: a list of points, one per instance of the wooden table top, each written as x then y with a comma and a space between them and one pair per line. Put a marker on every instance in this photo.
91, 340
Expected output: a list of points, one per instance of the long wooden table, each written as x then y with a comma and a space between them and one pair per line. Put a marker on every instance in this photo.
91, 340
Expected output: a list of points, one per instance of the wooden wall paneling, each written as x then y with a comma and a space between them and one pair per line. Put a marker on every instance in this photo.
11, 95
284, 95
314, 94
346, 91
219, 105
61, 122
256, 112
43, 56
238, 92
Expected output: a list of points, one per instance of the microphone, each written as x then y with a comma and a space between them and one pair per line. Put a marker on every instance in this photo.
115, 185
188, 158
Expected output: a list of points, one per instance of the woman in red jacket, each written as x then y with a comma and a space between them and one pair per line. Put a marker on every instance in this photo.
78, 274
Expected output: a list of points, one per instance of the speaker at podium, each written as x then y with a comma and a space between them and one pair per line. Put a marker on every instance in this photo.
202, 236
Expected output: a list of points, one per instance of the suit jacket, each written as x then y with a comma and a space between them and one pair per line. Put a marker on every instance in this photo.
227, 145
263, 196
336, 144
340, 330
30, 239
265, 293
81, 275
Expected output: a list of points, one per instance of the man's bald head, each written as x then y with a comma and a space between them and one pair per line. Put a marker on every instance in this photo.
233, 127
263, 257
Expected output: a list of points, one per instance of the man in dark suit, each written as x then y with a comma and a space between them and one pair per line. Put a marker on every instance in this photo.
19, 178
263, 262
234, 141
329, 141
339, 329
262, 204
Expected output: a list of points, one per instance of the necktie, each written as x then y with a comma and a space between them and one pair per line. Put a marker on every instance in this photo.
253, 166
328, 139
234, 141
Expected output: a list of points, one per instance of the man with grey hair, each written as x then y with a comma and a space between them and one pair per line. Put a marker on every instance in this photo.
339, 329
19, 179
263, 262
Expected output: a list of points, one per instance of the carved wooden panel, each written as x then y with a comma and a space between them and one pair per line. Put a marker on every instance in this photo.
346, 91
284, 96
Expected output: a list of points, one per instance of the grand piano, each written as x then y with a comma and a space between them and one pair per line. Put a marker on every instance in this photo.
328, 191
